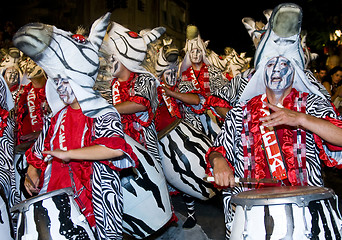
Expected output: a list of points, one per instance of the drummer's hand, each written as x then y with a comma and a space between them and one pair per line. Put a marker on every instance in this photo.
59, 153
32, 180
31, 136
168, 91
282, 116
223, 174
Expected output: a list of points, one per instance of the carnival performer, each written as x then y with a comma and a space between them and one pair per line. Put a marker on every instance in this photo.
134, 92
82, 144
279, 79
8, 192
199, 79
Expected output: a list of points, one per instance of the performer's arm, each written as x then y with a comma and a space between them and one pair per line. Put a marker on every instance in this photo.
188, 98
91, 153
129, 107
323, 128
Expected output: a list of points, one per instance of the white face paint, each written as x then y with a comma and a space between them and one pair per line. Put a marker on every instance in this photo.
115, 66
170, 76
196, 55
65, 91
11, 76
279, 74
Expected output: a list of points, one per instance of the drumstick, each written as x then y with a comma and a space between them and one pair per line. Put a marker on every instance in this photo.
246, 180
31, 182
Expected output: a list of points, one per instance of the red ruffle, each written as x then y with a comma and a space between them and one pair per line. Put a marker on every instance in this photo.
214, 101
3, 123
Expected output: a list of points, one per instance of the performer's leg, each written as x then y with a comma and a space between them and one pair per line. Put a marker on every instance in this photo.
191, 220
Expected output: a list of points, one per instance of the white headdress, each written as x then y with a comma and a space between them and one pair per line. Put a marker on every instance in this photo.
193, 40
282, 38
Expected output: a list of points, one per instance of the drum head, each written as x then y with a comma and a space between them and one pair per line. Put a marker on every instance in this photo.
300, 195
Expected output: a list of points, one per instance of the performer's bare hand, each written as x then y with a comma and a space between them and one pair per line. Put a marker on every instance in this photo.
59, 153
32, 180
223, 174
282, 116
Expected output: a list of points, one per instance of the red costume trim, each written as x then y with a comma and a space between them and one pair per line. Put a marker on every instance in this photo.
3, 123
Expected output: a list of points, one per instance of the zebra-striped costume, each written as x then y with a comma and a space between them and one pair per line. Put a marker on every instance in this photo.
231, 138
104, 183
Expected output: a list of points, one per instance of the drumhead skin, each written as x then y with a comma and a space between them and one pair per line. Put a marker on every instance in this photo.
299, 195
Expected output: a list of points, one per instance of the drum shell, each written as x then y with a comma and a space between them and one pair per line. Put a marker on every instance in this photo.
5, 226
183, 151
285, 214
40, 217
147, 205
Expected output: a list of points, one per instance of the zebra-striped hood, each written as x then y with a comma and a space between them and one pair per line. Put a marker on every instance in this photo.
65, 55
282, 38
128, 46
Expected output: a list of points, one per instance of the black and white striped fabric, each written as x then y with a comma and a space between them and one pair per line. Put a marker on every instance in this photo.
7, 175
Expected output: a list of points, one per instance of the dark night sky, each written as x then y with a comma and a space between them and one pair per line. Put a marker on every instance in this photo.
220, 21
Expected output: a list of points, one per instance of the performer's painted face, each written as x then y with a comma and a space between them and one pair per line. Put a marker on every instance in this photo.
278, 74
115, 66
170, 76
11, 76
196, 55
65, 91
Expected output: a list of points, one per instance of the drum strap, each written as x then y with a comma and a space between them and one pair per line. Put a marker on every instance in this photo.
272, 148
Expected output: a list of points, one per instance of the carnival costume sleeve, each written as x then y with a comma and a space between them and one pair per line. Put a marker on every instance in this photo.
225, 142
108, 132
330, 154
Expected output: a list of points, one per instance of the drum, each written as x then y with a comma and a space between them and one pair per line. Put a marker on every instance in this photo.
183, 150
286, 213
20, 168
52, 215
147, 206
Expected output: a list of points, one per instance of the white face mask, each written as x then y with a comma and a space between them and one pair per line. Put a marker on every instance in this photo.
196, 55
279, 74
170, 76
65, 91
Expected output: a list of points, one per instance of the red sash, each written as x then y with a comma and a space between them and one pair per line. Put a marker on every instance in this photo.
271, 147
